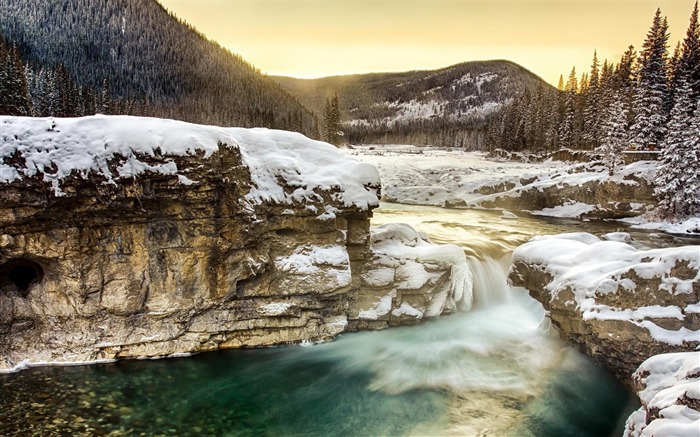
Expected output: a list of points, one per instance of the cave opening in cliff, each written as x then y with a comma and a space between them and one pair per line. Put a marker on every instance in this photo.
22, 273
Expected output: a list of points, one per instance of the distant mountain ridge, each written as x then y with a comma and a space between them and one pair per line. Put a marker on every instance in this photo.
145, 53
447, 107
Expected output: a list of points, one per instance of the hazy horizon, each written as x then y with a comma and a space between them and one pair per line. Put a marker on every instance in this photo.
310, 39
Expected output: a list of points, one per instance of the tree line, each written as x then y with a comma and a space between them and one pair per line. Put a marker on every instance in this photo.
646, 101
154, 63
28, 89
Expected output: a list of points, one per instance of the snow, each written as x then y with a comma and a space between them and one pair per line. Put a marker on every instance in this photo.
689, 226
508, 215
569, 209
593, 268
407, 310
669, 382
402, 242
310, 260
26, 364
381, 308
55, 149
623, 237
431, 176
449, 177
275, 308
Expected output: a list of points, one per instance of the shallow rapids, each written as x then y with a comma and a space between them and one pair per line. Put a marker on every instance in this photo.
497, 370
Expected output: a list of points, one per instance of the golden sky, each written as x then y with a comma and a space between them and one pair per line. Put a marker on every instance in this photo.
314, 38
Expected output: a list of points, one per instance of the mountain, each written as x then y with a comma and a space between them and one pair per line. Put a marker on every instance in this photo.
146, 54
447, 107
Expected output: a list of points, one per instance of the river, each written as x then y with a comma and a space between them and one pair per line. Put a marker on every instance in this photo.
497, 370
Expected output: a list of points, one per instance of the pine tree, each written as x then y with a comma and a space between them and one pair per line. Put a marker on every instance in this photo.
614, 132
652, 97
691, 177
625, 74
679, 156
673, 63
333, 129
14, 95
689, 60
567, 133
591, 115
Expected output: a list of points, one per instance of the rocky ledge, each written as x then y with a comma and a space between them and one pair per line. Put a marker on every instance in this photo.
126, 237
618, 304
582, 190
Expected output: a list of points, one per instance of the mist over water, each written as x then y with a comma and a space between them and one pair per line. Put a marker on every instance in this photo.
496, 370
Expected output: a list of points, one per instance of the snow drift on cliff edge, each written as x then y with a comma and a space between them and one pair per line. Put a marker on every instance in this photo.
55, 148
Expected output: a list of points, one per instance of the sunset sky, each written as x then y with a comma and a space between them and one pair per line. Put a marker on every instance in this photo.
313, 38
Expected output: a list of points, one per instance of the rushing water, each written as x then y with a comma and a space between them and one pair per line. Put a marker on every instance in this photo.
496, 370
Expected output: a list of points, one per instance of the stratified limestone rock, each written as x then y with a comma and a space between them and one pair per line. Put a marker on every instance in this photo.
126, 237
618, 304
129, 237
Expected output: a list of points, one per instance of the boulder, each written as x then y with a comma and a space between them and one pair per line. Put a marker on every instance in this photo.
669, 389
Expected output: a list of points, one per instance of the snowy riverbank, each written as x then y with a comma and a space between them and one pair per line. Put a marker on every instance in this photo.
455, 178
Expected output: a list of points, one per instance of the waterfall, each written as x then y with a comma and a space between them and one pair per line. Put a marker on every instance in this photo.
490, 282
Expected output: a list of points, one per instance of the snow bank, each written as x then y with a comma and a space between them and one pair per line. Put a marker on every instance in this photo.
670, 395
428, 176
689, 226
439, 177
54, 149
594, 270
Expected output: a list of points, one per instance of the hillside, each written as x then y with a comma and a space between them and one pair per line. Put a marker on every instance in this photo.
146, 54
446, 107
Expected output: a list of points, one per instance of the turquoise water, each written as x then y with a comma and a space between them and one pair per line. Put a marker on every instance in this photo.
442, 378
497, 370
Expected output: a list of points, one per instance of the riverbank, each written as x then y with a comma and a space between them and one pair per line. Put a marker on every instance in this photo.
457, 179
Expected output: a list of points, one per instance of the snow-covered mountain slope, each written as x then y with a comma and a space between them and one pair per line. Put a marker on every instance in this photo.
141, 52
419, 107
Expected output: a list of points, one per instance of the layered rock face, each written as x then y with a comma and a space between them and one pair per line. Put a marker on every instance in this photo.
128, 237
618, 304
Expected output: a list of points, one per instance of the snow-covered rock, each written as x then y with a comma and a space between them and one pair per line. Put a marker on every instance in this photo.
409, 278
580, 191
619, 304
128, 237
125, 237
669, 388
284, 167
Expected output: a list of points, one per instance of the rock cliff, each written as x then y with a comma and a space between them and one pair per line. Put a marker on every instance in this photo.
618, 304
132, 237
